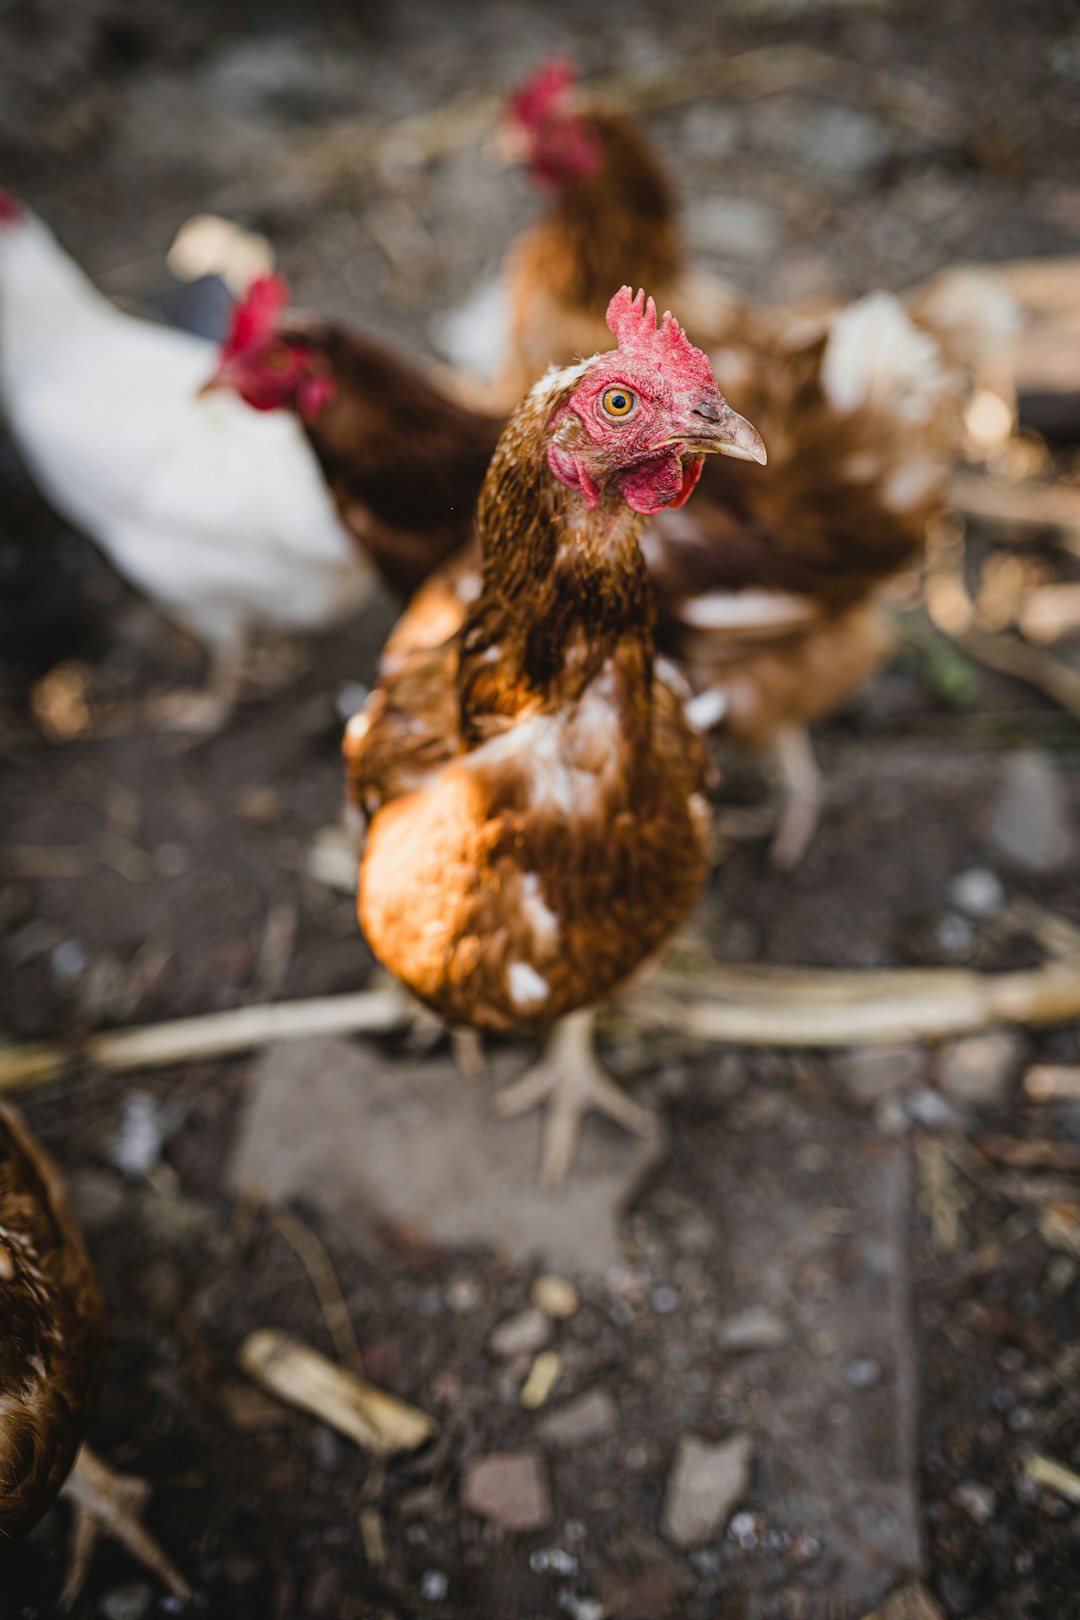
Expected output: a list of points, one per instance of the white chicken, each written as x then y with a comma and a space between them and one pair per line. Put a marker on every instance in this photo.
216, 512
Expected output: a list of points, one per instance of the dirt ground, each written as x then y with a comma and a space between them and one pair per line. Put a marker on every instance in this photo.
909, 1223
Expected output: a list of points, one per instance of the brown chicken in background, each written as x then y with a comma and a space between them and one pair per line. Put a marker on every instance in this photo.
534, 791
403, 462
769, 585
52, 1341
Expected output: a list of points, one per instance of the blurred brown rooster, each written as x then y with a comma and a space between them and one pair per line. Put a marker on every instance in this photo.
535, 792
770, 584
52, 1338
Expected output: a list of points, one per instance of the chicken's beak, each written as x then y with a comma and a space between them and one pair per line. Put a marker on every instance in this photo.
508, 146
212, 384
715, 429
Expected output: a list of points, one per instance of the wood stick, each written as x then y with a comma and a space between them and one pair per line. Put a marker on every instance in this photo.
806, 1007
757, 1006
1027, 507
1011, 656
371, 1418
184, 1040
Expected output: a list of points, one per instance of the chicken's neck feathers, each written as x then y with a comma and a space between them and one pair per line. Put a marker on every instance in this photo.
565, 589
620, 214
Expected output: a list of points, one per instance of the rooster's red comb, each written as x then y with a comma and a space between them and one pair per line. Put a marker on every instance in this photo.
255, 316
632, 321
537, 97
10, 212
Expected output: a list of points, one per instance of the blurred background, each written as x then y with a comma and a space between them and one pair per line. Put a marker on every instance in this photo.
860, 1265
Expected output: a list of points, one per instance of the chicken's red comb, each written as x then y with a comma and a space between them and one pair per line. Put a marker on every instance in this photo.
665, 345
10, 212
255, 316
536, 99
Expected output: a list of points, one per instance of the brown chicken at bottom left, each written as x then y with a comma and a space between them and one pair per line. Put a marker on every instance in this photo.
52, 1343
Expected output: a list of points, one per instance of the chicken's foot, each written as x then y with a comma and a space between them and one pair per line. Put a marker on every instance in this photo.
803, 795
112, 1503
204, 713
570, 1080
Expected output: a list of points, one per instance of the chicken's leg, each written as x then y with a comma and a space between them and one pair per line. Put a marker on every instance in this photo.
113, 1503
206, 712
571, 1081
803, 795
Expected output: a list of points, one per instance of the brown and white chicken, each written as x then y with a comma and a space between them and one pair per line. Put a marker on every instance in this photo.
52, 1343
535, 795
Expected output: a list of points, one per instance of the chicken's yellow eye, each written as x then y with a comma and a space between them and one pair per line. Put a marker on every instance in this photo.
277, 359
619, 401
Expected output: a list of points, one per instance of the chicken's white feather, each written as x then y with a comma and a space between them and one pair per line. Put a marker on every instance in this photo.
475, 337
876, 358
216, 511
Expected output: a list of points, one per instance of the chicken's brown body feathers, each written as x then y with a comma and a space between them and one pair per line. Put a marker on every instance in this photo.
52, 1330
537, 826
824, 541
402, 461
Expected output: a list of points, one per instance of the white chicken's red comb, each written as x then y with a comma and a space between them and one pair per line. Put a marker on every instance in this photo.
633, 323
538, 96
10, 212
255, 316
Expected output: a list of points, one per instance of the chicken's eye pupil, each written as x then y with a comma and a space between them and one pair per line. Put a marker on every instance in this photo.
618, 402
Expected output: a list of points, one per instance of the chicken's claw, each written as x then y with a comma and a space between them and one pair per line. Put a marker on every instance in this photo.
106, 1501
570, 1079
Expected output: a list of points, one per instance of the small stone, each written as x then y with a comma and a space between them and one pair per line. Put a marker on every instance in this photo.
542, 1378
955, 935
127, 1602
933, 1110
1031, 824
978, 1071
434, 1585
580, 1608
510, 1489
137, 1148
664, 1300
892, 1118
555, 1296
705, 1483
862, 1373
552, 1561
744, 1530
758, 1328
579, 1421
463, 1295
977, 892
869, 1073
69, 961
521, 1335
977, 1501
